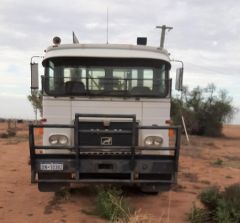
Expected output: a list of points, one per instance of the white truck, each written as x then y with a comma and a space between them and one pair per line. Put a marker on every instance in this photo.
106, 109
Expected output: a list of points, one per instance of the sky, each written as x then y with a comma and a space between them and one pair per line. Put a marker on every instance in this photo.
205, 36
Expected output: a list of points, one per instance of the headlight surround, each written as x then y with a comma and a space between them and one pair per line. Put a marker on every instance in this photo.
153, 141
58, 139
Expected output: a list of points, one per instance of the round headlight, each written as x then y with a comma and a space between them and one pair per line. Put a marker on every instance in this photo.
148, 141
53, 139
153, 141
63, 140
158, 141
58, 140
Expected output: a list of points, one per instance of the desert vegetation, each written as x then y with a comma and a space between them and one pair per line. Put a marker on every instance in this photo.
205, 110
35, 98
110, 203
218, 206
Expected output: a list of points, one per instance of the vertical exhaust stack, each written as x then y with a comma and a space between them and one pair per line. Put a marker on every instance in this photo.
163, 33
142, 41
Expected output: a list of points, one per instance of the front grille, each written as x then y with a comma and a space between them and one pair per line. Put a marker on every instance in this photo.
97, 133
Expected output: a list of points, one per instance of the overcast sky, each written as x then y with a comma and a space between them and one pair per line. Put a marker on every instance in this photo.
205, 35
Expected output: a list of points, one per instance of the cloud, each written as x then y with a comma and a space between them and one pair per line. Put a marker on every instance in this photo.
205, 35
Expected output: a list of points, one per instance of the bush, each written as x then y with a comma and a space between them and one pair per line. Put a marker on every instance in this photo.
218, 162
11, 132
204, 109
111, 205
4, 135
228, 209
198, 215
210, 197
220, 207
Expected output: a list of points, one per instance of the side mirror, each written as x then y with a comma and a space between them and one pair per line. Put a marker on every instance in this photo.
179, 79
34, 76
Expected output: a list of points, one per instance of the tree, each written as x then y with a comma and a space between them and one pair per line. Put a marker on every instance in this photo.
36, 100
205, 110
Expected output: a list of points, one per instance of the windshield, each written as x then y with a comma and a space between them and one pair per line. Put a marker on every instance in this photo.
106, 78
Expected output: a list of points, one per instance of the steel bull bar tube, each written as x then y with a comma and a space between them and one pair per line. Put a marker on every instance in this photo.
77, 157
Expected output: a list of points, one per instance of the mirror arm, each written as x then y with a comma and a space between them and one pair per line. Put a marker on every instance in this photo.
178, 61
35, 57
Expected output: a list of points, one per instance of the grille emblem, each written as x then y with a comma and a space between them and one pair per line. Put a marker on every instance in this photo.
106, 141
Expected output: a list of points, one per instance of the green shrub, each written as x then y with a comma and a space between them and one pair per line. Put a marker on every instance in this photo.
11, 132
220, 207
198, 215
36, 98
209, 197
204, 109
4, 135
217, 162
111, 205
228, 209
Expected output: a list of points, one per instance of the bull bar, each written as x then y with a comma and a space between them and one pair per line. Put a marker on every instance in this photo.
132, 167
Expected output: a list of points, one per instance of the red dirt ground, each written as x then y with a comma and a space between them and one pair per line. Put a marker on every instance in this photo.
20, 201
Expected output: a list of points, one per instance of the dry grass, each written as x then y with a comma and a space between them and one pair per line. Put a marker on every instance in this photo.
16, 140
232, 164
192, 177
139, 217
228, 161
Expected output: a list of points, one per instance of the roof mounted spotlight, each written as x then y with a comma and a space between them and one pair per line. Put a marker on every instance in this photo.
142, 41
56, 40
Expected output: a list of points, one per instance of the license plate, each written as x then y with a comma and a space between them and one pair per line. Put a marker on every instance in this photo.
51, 166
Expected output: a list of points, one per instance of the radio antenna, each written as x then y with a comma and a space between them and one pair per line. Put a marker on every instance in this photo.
107, 25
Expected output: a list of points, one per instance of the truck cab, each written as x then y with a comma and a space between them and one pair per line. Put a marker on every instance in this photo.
106, 109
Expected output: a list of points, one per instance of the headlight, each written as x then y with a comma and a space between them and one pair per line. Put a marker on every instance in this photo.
63, 140
58, 140
148, 141
153, 141
53, 139
158, 141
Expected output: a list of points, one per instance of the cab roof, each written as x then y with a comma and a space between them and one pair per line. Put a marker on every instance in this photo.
106, 51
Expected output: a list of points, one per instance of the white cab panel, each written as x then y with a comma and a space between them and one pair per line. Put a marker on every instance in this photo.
107, 107
156, 114
57, 112
148, 112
